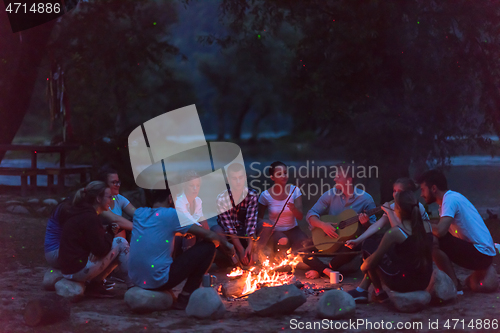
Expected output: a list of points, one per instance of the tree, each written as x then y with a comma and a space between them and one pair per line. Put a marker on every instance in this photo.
396, 83
118, 64
20, 57
249, 78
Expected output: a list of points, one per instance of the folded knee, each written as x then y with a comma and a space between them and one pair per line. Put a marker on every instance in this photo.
283, 241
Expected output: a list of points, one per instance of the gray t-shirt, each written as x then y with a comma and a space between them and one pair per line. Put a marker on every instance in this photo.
151, 246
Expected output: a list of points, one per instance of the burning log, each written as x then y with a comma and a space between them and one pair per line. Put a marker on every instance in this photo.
233, 287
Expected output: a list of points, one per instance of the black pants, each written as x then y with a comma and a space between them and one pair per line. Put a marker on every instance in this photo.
191, 264
463, 253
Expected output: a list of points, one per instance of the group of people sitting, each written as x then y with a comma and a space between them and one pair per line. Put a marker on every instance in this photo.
87, 237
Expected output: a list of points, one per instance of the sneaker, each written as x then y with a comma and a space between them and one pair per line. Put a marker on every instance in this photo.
98, 290
113, 278
108, 284
382, 297
182, 302
359, 296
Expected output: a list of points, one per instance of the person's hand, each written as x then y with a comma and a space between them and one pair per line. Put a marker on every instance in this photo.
291, 206
352, 243
92, 258
240, 252
363, 218
114, 228
329, 230
312, 274
247, 257
386, 207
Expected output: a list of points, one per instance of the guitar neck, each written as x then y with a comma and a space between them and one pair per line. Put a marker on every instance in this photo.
355, 219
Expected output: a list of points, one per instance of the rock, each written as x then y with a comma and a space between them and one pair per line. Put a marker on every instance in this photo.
17, 209
71, 290
50, 202
270, 301
441, 287
41, 210
143, 301
336, 304
50, 279
410, 302
13, 202
205, 303
33, 201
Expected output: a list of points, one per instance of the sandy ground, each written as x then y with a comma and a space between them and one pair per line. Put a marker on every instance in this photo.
23, 266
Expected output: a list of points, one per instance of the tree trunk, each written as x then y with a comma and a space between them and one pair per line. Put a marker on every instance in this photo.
30, 48
238, 124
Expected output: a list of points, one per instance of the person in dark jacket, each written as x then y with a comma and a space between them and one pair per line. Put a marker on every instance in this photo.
87, 252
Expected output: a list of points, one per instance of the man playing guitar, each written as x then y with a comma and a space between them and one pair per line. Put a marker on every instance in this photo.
333, 202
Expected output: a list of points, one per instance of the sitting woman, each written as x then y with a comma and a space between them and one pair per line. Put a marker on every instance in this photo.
87, 252
287, 232
119, 204
53, 236
403, 260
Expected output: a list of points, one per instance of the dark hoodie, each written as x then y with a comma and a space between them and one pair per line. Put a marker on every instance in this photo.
82, 234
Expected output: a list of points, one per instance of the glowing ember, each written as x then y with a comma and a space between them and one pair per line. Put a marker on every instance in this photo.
237, 271
268, 276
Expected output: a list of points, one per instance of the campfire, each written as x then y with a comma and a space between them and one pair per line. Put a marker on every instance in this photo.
270, 274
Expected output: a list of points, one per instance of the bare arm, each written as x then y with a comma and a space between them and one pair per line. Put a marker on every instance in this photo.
374, 228
212, 237
440, 229
121, 221
129, 209
296, 208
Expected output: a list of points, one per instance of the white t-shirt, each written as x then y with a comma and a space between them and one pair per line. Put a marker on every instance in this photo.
120, 203
421, 207
182, 205
287, 219
467, 223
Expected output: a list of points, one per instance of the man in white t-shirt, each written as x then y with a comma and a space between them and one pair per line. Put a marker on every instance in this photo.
461, 235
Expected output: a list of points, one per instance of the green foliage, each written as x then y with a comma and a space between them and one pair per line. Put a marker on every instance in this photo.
119, 70
385, 77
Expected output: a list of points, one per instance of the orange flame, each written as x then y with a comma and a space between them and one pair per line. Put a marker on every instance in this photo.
237, 271
268, 276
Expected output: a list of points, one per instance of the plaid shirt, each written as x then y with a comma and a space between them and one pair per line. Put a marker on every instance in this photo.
227, 217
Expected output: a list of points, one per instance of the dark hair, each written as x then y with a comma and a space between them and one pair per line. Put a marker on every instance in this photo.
274, 165
89, 193
104, 172
409, 209
347, 169
407, 183
433, 177
159, 195
235, 167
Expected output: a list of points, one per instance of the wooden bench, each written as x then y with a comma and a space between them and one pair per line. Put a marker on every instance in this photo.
61, 173
24, 173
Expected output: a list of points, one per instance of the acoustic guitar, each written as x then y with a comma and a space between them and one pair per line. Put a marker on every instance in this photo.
346, 225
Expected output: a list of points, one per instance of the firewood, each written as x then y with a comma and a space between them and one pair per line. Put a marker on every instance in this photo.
46, 311
233, 287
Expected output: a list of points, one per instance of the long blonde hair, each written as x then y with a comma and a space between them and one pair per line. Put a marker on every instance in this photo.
89, 193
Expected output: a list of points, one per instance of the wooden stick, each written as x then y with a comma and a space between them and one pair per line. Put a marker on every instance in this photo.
313, 254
